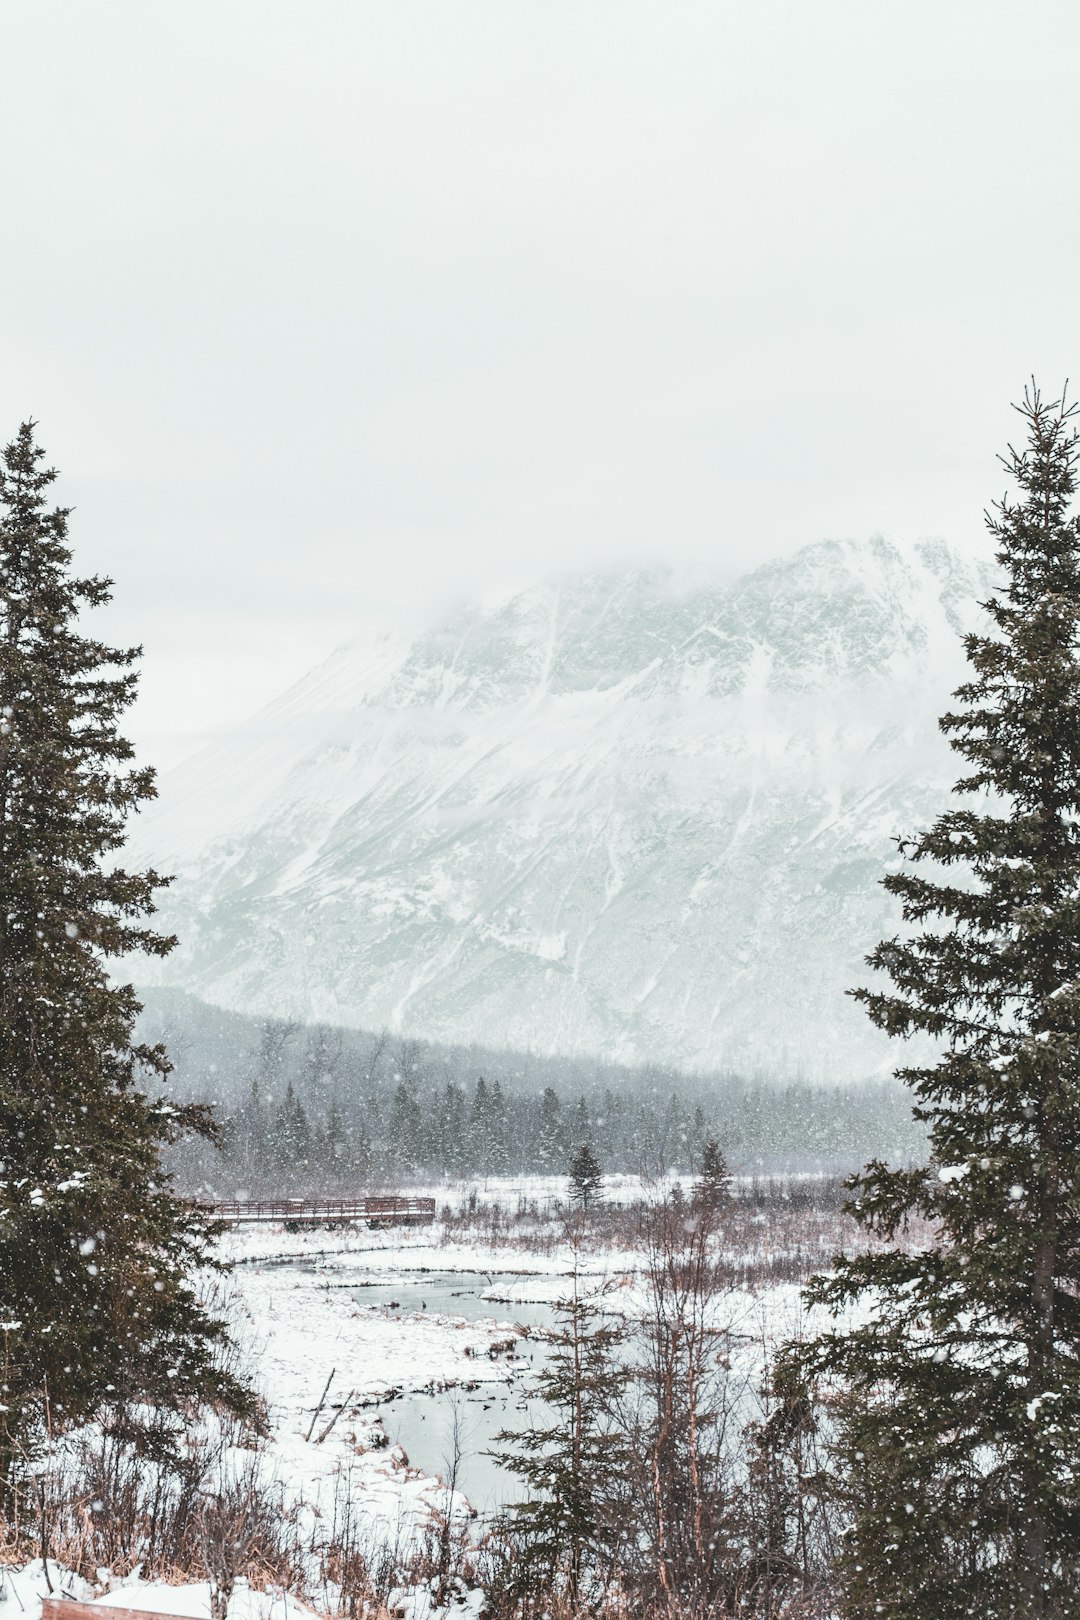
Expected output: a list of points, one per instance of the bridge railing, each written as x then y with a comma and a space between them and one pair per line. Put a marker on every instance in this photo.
310, 1211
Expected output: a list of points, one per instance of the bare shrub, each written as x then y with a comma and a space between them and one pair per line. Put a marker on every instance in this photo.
717, 1507
182, 1503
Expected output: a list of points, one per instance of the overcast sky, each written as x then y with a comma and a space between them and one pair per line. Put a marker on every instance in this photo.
329, 311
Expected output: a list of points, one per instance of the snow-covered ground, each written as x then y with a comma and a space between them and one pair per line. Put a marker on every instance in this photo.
298, 1318
349, 1334
301, 1316
22, 1591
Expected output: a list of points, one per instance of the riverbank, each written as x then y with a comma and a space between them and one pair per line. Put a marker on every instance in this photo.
390, 1361
349, 1328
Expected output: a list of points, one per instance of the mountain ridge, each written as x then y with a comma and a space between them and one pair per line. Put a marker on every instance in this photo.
609, 813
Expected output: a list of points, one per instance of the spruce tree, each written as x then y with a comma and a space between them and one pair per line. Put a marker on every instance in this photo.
566, 1533
406, 1133
456, 1155
959, 1426
552, 1143
586, 1176
581, 1125
480, 1129
292, 1138
713, 1186
500, 1148
97, 1255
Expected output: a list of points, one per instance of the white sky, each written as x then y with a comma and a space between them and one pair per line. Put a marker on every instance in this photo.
328, 311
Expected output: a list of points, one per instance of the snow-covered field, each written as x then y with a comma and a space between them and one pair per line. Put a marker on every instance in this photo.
301, 1316
351, 1335
300, 1324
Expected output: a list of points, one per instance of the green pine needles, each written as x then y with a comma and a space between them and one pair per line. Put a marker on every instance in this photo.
957, 1391
96, 1254
567, 1533
586, 1177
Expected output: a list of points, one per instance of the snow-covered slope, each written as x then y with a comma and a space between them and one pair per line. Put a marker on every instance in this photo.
609, 814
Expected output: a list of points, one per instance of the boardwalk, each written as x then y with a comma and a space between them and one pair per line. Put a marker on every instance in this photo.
296, 1212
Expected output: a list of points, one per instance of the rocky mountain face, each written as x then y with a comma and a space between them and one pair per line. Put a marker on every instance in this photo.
613, 815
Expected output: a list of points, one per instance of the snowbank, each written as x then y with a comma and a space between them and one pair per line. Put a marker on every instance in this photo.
22, 1592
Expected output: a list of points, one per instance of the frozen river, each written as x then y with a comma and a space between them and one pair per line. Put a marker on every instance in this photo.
463, 1419
446, 1358
432, 1427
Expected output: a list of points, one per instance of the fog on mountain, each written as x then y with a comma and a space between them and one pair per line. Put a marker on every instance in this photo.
608, 814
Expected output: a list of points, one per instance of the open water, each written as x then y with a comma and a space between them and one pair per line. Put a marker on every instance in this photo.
430, 1427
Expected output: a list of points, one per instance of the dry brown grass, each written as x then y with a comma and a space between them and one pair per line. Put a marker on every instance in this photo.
775, 1231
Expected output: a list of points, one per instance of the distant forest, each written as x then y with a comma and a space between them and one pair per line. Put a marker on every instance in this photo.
311, 1108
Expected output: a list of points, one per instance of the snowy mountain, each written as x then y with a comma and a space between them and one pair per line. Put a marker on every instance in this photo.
610, 814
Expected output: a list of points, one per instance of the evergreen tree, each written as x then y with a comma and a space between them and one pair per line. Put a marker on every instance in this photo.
323, 1063
566, 1533
292, 1135
713, 1185
500, 1144
586, 1176
481, 1132
552, 1143
406, 1129
96, 1253
961, 1426
581, 1127
456, 1156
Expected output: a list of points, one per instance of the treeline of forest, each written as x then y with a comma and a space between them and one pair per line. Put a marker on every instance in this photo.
316, 1108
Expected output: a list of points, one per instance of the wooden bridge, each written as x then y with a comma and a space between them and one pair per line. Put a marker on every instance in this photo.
297, 1212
